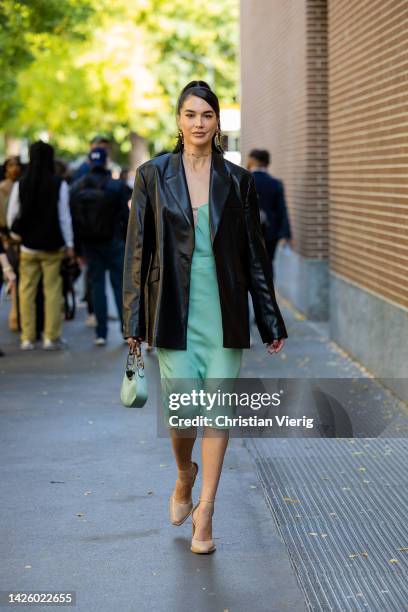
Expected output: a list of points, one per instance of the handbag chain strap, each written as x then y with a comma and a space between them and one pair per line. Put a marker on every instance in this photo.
131, 359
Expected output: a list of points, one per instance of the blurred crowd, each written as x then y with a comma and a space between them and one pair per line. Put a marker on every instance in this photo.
59, 223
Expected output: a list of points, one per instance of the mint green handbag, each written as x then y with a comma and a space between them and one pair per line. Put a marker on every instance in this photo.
133, 392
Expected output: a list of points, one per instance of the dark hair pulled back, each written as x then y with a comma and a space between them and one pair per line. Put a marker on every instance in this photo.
202, 90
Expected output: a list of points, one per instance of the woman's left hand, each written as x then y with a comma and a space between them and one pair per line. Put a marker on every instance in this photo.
275, 346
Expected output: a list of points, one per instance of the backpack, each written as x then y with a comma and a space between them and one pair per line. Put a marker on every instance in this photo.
93, 210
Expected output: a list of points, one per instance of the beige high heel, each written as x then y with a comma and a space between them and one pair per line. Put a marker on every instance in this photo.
179, 511
201, 547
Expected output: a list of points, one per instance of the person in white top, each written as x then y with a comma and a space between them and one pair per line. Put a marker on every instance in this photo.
39, 213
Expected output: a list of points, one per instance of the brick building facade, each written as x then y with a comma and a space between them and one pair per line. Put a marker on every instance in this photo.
325, 90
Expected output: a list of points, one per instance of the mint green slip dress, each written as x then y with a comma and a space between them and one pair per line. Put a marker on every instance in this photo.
205, 364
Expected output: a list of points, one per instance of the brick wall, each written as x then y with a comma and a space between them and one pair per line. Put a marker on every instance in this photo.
368, 152
284, 107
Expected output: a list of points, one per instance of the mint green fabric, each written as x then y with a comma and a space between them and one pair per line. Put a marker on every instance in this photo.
205, 357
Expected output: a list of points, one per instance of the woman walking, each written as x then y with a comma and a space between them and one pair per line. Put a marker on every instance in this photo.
194, 249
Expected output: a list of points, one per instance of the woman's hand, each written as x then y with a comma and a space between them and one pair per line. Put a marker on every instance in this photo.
275, 346
9, 276
134, 343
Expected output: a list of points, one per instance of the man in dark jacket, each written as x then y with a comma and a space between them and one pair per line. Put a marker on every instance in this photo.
100, 213
274, 216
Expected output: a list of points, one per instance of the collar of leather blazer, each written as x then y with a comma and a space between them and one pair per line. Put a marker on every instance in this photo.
220, 184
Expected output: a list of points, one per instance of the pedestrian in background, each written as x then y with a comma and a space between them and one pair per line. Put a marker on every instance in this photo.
12, 170
7, 274
39, 213
272, 203
100, 211
100, 142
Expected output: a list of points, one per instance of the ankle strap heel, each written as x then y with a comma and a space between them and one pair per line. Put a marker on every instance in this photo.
179, 511
201, 546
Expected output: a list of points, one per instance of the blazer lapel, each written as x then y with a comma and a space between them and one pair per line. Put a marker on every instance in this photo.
177, 184
220, 183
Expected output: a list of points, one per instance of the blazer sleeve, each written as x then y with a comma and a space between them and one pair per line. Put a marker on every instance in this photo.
138, 250
267, 314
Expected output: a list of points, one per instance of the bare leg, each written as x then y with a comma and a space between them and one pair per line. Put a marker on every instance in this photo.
183, 443
214, 445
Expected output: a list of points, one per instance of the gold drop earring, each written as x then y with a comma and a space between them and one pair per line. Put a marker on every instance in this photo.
218, 138
181, 136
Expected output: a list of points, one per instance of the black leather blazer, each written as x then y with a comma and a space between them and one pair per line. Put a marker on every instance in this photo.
159, 250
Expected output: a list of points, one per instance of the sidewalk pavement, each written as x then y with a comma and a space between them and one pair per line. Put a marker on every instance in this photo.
85, 485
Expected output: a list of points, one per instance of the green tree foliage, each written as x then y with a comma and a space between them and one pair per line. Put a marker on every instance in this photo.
25, 29
190, 41
96, 66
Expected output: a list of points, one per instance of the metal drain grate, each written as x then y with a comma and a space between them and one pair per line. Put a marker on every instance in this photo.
341, 506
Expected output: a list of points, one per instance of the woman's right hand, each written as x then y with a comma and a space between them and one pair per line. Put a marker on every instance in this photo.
134, 343
275, 346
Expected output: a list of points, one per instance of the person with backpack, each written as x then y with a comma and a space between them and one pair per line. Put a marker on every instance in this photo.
38, 212
99, 207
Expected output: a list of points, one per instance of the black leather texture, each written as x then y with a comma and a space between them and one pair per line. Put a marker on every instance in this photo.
160, 246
